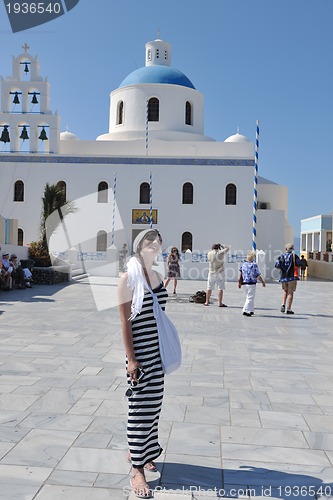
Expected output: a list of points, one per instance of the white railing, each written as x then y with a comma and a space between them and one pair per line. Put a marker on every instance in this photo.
321, 256
91, 256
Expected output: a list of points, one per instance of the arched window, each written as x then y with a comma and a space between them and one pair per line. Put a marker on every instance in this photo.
101, 243
188, 113
144, 192
19, 191
103, 192
153, 109
61, 185
20, 235
187, 193
230, 194
120, 112
187, 240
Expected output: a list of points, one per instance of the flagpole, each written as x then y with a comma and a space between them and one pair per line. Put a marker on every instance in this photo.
114, 207
255, 190
147, 130
151, 199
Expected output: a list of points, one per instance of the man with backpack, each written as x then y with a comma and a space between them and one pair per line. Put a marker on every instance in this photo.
288, 263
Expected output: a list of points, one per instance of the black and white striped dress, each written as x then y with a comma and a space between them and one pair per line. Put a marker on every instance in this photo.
145, 403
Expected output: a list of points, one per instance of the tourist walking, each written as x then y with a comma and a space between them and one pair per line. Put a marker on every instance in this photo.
288, 263
304, 265
248, 275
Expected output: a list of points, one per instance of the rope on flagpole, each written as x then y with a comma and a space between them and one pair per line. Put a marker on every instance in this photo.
151, 199
255, 190
114, 207
147, 130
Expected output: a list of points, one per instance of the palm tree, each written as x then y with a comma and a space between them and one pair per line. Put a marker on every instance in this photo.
53, 202
54, 210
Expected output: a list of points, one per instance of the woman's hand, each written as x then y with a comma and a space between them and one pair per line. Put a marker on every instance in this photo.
132, 370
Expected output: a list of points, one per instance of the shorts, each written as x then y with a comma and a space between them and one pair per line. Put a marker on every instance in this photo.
289, 286
216, 279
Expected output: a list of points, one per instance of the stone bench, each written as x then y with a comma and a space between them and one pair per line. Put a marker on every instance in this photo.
51, 275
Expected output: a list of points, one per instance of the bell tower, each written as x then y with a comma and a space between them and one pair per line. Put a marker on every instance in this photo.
27, 125
158, 53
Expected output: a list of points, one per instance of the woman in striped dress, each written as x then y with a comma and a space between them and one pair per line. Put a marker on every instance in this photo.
143, 362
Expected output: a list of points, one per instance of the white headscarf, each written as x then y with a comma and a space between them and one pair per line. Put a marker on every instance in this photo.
136, 279
137, 282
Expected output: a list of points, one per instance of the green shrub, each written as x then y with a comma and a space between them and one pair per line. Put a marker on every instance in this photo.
39, 254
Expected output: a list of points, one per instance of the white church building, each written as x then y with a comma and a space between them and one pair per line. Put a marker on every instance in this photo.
155, 166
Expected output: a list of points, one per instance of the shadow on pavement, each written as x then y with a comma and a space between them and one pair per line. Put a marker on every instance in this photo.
38, 293
246, 481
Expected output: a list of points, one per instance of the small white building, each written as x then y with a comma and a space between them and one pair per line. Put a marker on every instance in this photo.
316, 234
155, 158
316, 245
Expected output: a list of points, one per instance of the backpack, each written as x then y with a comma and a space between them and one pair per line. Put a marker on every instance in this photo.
199, 297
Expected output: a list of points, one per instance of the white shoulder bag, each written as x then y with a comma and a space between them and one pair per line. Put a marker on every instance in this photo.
169, 343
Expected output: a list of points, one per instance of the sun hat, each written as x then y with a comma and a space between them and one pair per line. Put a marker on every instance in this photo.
289, 247
141, 236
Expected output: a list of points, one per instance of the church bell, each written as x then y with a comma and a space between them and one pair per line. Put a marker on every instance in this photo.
34, 99
16, 99
43, 136
5, 134
24, 133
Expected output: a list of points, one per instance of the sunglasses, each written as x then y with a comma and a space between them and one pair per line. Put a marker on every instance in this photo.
152, 236
133, 384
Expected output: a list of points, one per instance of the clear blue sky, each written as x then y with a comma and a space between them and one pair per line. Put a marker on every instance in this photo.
252, 59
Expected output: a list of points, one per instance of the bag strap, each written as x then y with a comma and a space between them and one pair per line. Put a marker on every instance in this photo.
156, 305
148, 285
158, 311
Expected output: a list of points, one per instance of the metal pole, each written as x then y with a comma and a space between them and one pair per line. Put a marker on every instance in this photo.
113, 207
151, 199
255, 191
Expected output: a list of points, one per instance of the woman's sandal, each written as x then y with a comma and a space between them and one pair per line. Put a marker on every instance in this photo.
140, 490
151, 466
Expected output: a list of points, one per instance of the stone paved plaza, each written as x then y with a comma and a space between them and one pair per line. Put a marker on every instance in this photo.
250, 413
